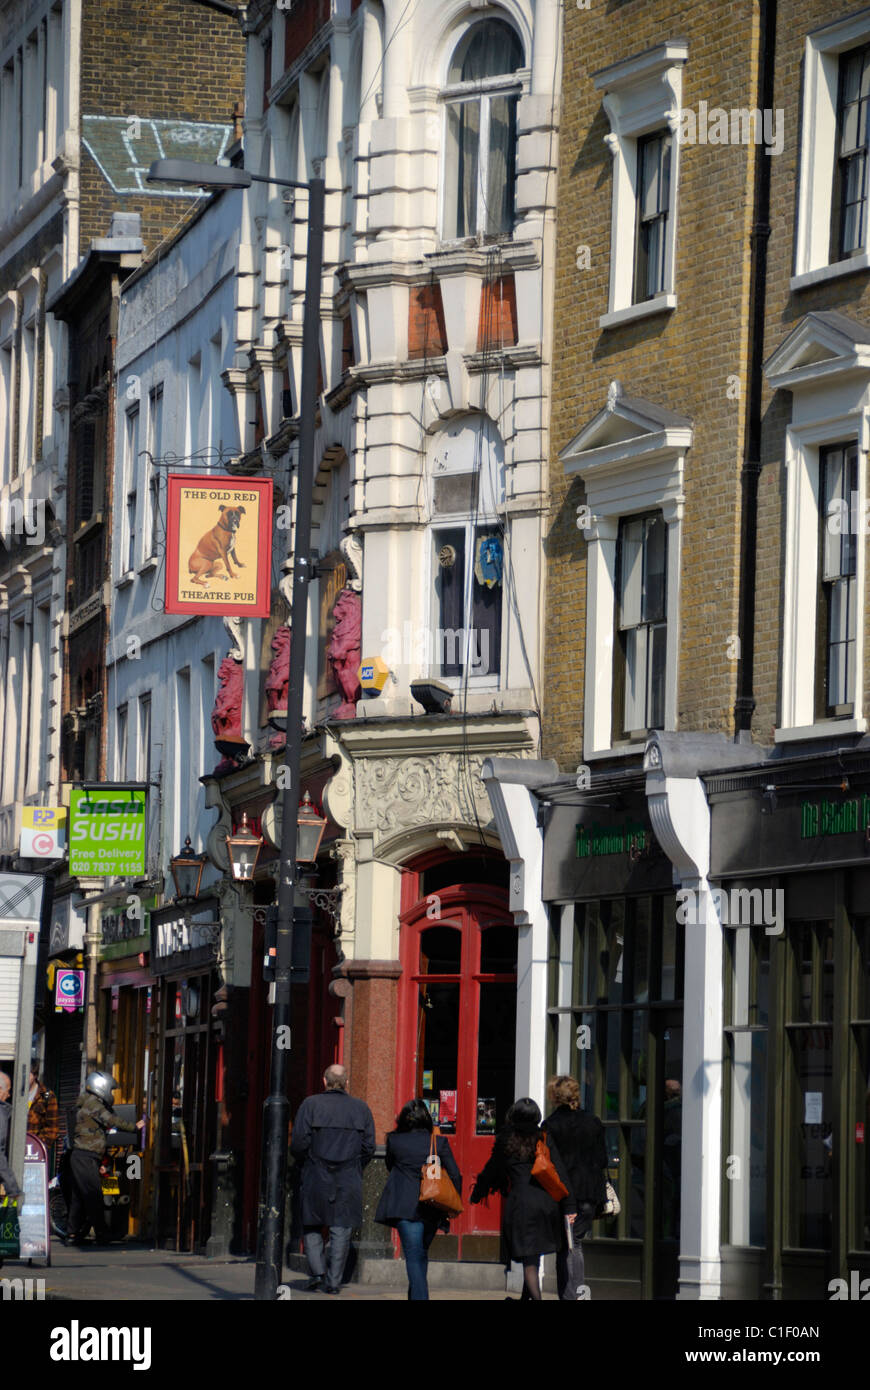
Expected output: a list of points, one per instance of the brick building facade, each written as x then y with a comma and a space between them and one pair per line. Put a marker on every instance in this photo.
700, 818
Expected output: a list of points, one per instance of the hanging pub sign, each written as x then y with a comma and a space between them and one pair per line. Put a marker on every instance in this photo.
218, 545
107, 831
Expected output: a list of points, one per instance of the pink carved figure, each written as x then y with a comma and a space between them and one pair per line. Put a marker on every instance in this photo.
278, 679
345, 650
226, 717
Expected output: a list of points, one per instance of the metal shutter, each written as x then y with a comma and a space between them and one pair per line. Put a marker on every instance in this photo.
10, 984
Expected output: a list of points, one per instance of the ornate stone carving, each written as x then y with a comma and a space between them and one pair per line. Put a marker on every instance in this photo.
344, 854
345, 649
392, 794
233, 625
351, 548
338, 792
285, 586
216, 839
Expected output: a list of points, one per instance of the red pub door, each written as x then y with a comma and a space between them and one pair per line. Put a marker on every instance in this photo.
457, 1029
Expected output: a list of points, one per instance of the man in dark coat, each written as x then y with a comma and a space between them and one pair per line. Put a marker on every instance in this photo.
335, 1134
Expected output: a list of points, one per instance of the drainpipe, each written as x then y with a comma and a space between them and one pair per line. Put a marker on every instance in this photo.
745, 701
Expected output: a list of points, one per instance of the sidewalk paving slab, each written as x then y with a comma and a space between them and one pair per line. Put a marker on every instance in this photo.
135, 1272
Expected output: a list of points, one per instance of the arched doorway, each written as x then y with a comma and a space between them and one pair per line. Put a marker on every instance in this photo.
457, 1027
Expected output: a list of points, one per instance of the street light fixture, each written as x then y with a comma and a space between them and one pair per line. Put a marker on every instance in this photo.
276, 1109
192, 174
310, 828
186, 868
243, 849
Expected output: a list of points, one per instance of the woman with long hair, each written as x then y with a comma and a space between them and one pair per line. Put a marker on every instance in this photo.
407, 1150
580, 1138
532, 1222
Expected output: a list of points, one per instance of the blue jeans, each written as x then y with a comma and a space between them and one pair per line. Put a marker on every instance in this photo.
336, 1253
416, 1237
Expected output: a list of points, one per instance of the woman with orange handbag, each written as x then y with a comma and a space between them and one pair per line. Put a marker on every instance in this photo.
521, 1167
408, 1149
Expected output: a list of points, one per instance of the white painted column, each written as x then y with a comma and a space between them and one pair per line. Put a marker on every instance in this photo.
397, 59
5, 694
372, 46
42, 93
515, 810
53, 83
600, 598
546, 56
16, 143
6, 107
680, 816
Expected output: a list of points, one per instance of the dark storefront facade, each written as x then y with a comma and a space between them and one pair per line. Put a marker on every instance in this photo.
189, 1074
615, 1019
126, 1032
796, 836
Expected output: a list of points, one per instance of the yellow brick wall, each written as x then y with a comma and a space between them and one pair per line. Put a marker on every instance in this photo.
166, 59
681, 360
785, 308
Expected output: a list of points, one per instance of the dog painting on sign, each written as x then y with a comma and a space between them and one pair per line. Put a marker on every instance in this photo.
214, 551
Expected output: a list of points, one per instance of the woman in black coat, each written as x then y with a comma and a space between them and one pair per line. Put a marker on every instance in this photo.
580, 1138
407, 1150
532, 1222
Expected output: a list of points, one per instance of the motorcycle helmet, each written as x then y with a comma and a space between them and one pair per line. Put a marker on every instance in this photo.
101, 1085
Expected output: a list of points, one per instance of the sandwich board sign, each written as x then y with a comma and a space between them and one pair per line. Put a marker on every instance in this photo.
107, 831
33, 1225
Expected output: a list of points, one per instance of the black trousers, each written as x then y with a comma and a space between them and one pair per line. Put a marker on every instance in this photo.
86, 1208
570, 1264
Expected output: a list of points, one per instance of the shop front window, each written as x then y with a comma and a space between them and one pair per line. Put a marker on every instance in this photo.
615, 1023
859, 1117
810, 1034
747, 994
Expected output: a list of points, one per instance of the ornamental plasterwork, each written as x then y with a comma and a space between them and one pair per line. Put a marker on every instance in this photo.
344, 854
396, 793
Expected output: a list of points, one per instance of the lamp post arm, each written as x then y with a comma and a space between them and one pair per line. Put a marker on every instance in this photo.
280, 183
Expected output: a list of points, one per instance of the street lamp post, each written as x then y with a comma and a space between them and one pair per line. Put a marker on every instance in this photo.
276, 1110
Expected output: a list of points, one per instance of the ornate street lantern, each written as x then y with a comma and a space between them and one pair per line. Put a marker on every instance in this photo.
187, 870
310, 832
244, 850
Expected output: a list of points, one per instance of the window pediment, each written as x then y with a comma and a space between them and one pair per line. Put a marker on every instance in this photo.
824, 344
630, 436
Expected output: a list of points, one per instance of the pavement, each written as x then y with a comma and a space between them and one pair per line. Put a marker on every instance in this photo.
135, 1272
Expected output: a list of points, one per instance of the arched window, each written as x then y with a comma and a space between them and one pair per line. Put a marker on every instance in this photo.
466, 472
481, 132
